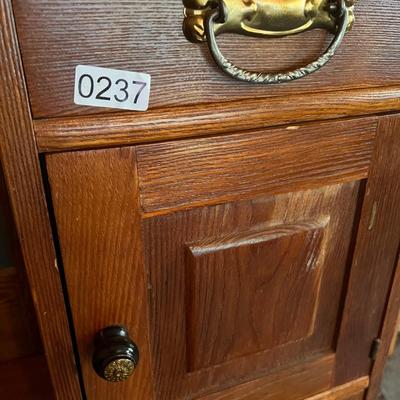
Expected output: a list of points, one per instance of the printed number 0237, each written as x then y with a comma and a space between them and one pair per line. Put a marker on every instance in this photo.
104, 86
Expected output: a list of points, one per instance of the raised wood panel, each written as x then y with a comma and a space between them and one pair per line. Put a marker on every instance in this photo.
147, 36
293, 383
199, 171
55, 134
174, 245
234, 285
96, 206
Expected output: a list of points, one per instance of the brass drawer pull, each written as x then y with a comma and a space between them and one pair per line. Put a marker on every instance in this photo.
205, 19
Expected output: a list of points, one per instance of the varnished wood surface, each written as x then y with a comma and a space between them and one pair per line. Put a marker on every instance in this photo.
100, 199
239, 319
350, 391
197, 171
295, 383
353, 390
23, 178
227, 319
390, 324
147, 37
375, 256
389, 329
26, 379
96, 205
57, 134
101, 186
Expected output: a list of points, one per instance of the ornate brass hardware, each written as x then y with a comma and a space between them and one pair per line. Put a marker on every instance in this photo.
205, 19
119, 370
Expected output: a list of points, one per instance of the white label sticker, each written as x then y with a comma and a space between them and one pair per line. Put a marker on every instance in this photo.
113, 88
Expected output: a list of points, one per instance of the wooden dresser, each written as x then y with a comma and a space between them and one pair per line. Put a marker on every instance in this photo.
239, 240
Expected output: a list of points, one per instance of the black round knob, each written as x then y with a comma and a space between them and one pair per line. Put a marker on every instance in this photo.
115, 355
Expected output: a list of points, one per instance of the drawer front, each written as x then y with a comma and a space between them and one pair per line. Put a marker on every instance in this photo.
147, 36
242, 266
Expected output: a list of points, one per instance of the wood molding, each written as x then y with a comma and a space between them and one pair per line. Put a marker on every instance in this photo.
119, 129
23, 178
300, 379
348, 391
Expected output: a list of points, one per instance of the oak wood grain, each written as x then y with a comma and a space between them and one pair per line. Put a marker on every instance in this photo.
294, 383
234, 282
226, 289
57, 134
95, 200
390, 323
212, 170
23, 178
353, 390
389, 328
375, 256
142, 36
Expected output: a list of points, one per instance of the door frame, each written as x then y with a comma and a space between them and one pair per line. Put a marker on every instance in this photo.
21, 165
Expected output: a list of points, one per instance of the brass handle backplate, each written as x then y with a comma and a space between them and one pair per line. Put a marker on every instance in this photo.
205, 19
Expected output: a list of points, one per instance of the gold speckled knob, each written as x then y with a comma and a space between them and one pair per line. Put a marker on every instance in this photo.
115, 356
119, 370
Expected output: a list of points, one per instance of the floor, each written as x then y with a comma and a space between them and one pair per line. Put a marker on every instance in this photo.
391, 380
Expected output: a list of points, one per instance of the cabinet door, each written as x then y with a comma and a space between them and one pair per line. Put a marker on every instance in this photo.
251, 266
